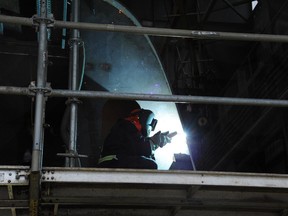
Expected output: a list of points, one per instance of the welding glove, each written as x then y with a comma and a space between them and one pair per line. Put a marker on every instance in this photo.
160, 139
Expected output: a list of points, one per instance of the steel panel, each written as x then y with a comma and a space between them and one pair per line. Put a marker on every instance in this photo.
127, 176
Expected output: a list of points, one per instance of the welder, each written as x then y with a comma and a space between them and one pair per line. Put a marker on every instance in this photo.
128, 144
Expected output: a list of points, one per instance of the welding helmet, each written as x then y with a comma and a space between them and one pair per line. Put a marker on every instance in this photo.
146, 120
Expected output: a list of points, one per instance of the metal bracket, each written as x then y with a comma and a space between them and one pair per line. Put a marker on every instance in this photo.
14, 177
36, 20
34, 89
21, 173
47, 175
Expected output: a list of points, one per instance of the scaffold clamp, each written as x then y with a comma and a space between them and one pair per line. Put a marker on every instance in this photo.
34, 89
49, 21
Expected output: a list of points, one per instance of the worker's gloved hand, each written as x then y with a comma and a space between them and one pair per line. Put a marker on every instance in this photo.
160, 139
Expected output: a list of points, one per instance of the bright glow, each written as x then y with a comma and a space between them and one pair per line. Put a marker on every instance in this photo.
165, 155
168, 120
136, 68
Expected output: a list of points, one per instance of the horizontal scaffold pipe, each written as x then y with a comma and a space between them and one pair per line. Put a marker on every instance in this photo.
11, 90
149, 97
195, 34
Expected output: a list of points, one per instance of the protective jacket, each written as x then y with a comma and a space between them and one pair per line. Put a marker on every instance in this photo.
126, 139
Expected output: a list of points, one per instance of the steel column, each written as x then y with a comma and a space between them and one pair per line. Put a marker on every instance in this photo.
40, 104
73, 83
40, 97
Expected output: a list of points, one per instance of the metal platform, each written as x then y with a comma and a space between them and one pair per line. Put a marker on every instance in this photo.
89, 191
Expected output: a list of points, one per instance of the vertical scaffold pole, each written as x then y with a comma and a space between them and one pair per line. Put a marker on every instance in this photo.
73, 83
40, 103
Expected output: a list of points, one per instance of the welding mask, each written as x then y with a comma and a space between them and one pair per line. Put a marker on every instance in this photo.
147, 121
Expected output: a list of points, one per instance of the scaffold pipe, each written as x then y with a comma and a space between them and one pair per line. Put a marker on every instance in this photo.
174, 98
73, 83
39, 115
152, 97
164, 32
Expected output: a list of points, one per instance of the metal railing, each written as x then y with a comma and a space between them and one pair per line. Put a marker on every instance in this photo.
145, 97
163, 32
41, 90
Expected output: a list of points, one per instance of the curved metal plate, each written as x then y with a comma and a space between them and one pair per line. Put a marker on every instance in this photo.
128, 63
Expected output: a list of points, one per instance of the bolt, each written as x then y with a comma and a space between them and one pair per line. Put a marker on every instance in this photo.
10, 174
9, 181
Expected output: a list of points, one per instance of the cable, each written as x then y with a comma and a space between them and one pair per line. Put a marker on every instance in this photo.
83, 65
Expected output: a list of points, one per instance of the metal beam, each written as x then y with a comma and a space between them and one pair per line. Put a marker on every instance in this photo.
12, 175
144, 211
195, 34
16, 204
130, 176
172, 98
130, 189
164, 32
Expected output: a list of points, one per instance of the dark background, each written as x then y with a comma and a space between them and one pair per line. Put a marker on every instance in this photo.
228, 138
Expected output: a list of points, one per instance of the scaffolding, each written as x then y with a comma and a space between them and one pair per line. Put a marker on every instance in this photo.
91, 191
